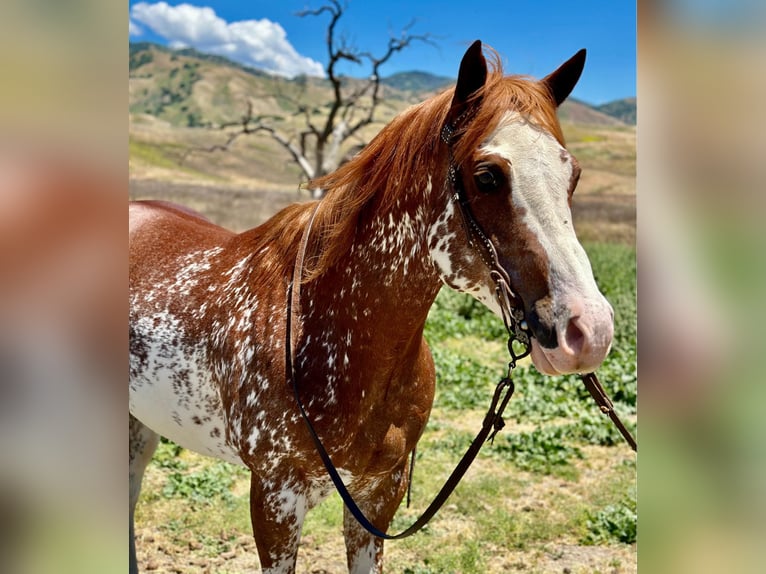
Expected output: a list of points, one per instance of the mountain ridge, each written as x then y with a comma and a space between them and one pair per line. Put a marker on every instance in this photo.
163, 83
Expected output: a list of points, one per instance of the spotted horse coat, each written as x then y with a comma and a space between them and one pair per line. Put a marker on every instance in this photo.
208, 306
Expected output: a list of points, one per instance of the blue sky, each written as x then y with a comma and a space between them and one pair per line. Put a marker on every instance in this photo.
533, 37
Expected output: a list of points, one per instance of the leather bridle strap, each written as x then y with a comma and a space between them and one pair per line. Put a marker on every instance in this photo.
493, 420
602, 400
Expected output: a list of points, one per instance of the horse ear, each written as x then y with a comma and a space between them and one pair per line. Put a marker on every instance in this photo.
563, 80
472, 74
471, 78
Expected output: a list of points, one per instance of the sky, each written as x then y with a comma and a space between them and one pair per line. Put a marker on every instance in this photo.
532, 37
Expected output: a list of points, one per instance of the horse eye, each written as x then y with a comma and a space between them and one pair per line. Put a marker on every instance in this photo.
486, 180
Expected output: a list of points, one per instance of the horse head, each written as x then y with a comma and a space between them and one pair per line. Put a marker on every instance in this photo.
510, 174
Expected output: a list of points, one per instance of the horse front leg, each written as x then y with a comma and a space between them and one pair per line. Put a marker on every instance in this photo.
277, 509
379, 502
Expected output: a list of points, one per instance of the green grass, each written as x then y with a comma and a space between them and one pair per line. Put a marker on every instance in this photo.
167, 156
155, 154
613, 523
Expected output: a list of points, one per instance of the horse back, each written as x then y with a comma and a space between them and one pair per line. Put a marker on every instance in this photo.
160, 232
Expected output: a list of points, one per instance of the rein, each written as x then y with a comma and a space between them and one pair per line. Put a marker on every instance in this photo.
515, 324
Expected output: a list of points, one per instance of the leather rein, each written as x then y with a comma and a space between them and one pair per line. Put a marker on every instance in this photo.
518, 332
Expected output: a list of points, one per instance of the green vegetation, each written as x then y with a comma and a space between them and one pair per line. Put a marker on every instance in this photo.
171, 97
206, 485
164, 155
140, 58
616, 522
419, 82
544, 450
158, 155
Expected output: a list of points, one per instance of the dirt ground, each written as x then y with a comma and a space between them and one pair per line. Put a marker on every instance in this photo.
159, 557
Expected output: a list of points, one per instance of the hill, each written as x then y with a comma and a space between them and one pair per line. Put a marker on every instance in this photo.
189, 88
624, 110
578, 112
416, 81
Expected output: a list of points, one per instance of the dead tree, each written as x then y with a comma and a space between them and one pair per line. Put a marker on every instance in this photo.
317, 145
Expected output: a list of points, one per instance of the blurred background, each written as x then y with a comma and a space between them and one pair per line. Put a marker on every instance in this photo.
701, 269
702, 280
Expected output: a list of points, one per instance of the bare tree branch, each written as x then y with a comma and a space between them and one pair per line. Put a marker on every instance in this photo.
317, 146
252, 125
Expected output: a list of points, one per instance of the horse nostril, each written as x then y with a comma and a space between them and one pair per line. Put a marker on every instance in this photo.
574, 338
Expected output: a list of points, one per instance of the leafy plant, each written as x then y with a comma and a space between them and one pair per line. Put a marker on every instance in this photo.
167, 455
457, 315
462, 382
211, 483
616, 522
543, 450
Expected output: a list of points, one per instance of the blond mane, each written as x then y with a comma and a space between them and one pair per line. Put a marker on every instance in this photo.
402, 156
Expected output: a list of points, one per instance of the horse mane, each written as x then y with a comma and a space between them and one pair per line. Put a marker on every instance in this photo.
400, 157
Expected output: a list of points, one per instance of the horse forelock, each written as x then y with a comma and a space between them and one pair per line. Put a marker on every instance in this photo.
502, 94
403, 156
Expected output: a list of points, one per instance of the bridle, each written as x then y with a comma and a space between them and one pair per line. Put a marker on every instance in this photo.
511, 309
515, 324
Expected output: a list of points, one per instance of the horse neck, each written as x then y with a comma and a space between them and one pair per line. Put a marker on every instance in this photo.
366, 313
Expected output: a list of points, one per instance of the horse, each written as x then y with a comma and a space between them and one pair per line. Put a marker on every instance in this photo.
209, 308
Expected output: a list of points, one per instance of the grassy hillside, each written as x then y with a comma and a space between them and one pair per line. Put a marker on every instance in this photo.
624, 110
418, 82
189, 89
576, 112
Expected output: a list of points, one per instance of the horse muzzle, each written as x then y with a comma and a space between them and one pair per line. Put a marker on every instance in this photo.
574, 339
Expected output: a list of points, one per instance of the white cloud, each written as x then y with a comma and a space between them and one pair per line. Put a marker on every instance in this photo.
134, 29
259, 43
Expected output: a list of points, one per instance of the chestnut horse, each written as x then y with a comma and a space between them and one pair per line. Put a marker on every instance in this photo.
208, 307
